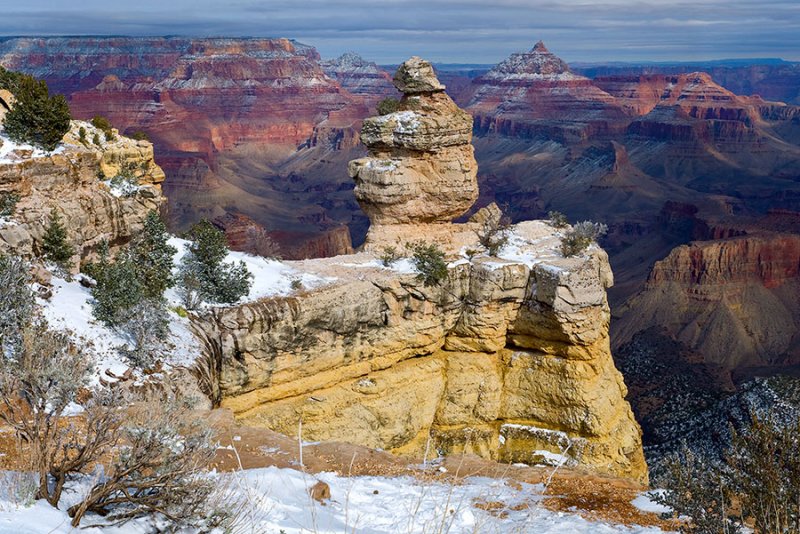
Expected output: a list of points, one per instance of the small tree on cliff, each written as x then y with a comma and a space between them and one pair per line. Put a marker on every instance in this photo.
36, 118
579, 237
429, 261
204, 273
55, 245
152, 255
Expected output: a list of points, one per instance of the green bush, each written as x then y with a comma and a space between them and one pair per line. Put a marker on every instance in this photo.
82, 136
96, 139
141, 272
153, 257
580, 236
126, 182
8, 204
557, 219
139, 135
55, 244
389, 256
429, 261
388, 105
203, 273
493, 234
118, 287
101, 123
36, 118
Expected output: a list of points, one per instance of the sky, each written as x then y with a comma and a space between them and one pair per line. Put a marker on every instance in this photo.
467, 31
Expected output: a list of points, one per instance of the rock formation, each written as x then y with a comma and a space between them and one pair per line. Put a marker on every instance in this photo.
359, 76
534, 94
74, 180
244, 122
507, 357
421, 167
6, 103
733, 300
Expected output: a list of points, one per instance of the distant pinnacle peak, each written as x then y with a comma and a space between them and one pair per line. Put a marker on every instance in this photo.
540, 47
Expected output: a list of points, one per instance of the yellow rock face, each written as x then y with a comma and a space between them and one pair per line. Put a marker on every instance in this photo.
505, 359
72, 181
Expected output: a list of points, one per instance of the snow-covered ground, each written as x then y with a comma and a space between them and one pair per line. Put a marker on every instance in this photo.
271, 278
7, 146
70, 310
273, 500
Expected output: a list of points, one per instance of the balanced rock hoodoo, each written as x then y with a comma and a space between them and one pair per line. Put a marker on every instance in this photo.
507, 357
421, 167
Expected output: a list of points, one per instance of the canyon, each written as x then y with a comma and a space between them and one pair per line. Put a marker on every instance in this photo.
690, 174
506, 357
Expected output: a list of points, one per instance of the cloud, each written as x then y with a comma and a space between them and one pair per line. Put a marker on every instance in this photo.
448, 30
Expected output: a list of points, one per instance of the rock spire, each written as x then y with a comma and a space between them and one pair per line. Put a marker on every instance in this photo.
421, 166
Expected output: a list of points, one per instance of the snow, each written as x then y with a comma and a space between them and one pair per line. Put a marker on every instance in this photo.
7, 146
528, 252
277, 500
271, 278
70, 310
644, 502
121, 188
552, 458
400, 266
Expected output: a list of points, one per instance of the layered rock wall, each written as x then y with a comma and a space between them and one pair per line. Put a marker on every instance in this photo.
733, 300
75, 181
507, 357
504, 359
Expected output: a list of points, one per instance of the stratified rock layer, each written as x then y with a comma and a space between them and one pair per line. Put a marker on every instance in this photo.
734, 300
505, 358
73, 180
421, 167
534, 94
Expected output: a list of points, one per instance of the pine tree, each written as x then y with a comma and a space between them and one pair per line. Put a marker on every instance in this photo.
55, 245
203, 267
37, 118
117, 290
153, 257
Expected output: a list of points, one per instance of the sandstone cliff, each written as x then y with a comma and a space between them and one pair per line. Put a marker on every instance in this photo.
733, 300
507, 357
74, 180
421, 167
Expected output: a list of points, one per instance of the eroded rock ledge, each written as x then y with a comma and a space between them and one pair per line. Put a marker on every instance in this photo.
74, 180
508, 357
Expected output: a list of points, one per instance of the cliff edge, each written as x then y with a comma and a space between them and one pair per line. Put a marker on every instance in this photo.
507, 357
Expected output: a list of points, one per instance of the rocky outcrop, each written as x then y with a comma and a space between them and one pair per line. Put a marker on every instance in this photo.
505, 359
421, 167
732, 300
534, 94
74, 180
